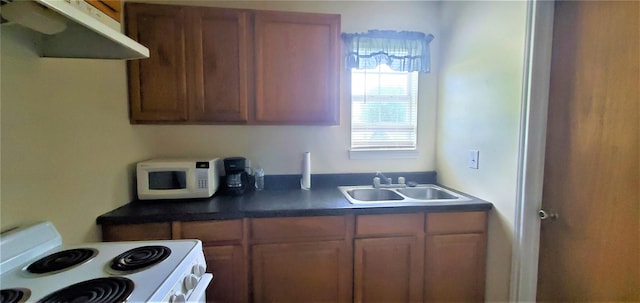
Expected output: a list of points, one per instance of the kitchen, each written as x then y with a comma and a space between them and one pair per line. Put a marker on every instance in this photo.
69, 150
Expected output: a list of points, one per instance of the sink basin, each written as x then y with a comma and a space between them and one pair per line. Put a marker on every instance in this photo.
423, 193
426, 193
373, 194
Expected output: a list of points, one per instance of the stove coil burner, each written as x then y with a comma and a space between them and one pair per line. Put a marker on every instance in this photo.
61, 260
14, 295
140, 257
100, 290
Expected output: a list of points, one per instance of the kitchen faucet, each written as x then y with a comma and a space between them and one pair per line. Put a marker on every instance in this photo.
388, 183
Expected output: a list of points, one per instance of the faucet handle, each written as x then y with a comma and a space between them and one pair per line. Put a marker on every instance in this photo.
401, 180
376, 181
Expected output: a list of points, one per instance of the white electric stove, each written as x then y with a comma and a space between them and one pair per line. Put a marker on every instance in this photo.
35, 267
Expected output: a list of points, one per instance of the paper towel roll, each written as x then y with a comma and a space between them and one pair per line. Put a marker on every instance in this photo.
305, 181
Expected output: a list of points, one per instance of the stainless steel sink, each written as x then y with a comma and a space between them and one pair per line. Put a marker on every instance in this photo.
373, 194
423, 193
426, 193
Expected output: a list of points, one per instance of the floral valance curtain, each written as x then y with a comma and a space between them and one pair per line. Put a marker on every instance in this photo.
400, 50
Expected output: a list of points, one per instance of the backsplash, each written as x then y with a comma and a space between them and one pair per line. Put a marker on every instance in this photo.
279, 182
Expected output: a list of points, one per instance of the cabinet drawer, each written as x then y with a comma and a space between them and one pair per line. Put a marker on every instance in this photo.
453, 223
137, 232
298, 229
394, 224
211, 231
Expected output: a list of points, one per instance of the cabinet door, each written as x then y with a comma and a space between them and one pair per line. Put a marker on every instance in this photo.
302, 272
388, 269
297, 68
157, 85
217, 64
455, 267
112, 8
227, 265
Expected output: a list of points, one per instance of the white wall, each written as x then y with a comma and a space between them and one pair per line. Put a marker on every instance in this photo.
67, 146
480, 86
68, 149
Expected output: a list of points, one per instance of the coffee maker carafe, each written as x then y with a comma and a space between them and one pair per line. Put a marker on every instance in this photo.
236, 176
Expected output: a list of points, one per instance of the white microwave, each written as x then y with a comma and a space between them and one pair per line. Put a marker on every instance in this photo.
177, 178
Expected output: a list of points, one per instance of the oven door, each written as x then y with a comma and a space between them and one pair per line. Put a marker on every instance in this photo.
199, 293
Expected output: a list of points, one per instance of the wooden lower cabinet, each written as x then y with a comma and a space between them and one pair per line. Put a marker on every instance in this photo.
455, 257
224, 244
136, 232
302, 272
415, 257
388, 269
227, 264
389, 258
455, 268
302, 259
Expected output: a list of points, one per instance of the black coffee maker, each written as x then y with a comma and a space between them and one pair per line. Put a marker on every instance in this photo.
237, 179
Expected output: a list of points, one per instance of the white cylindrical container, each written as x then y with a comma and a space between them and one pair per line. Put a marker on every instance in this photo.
260, 178
305, 181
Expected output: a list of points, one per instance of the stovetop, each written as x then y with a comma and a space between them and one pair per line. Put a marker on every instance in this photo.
179, 259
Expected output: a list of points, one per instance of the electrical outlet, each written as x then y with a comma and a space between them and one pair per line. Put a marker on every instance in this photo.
474, 155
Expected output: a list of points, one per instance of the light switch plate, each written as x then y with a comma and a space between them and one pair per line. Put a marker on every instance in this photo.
474, 155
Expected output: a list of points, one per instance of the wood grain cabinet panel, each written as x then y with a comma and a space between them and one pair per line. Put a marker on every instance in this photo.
456, 222
455, 268
414, 257
302, 259
217, 64
302, 272
455, 257
136, 232
297, 68
158, 84
232, 66
227, 263
224, 246
212, 231
388, 269
391, 224
298, 229
112, 8
389, 258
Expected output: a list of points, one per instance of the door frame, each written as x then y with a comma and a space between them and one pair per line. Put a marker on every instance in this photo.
532, 141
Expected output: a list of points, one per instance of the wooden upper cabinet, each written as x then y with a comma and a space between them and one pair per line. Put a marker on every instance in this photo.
232, 66
297, 68
112, 8
217, 64
158, 84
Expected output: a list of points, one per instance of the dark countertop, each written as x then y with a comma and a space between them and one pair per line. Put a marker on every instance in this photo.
326, 199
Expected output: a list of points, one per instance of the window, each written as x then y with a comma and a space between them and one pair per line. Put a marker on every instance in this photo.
383, 108
384, 87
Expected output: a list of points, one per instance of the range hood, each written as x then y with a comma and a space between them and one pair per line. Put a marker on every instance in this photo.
64, 31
